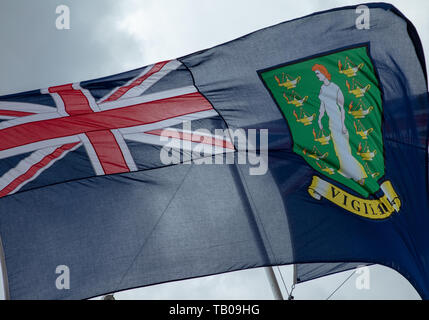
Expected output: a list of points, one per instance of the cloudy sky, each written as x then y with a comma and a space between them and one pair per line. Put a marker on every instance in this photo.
108, 36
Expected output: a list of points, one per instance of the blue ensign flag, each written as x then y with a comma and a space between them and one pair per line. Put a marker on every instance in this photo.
305, 142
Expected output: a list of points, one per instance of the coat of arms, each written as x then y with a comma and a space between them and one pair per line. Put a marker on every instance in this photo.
333, 107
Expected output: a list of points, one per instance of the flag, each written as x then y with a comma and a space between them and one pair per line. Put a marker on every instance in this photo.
305, 142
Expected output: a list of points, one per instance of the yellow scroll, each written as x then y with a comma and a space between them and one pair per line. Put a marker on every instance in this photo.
380, 208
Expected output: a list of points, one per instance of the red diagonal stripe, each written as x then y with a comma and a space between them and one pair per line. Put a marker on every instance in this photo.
12, 113
130, 116
108, 151
35, 168
194, 137
122, 90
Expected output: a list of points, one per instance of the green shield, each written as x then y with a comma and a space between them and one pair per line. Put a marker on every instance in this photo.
333, 107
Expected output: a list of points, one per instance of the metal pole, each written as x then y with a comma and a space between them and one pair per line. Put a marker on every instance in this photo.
295, 275
235, 170
277, 293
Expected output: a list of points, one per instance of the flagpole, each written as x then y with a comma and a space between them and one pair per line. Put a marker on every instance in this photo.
295, 275
275, 288
4, 273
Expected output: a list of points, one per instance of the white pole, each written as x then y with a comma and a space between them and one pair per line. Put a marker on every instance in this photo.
277, 293
295, 275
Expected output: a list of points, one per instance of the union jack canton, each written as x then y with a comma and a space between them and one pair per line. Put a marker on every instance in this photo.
115, 124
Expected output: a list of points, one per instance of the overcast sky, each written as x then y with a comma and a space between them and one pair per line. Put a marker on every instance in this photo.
109, 36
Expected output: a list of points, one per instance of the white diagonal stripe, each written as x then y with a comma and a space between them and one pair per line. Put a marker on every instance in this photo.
169, 122
25, 164
37, 145
150, 81
145, 70
27, 119
146, 84
147, 98
156, 140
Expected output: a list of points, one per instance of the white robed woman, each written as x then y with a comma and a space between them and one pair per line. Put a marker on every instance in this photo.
332, 103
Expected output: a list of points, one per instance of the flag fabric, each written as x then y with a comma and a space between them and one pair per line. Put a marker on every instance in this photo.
140, 178
311, 271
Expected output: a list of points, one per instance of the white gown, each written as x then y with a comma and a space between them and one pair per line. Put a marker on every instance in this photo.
349, 166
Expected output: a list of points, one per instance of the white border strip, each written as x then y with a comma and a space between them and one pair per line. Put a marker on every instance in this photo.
26, 107
91, 101
91, 154
124, 149
58, 101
